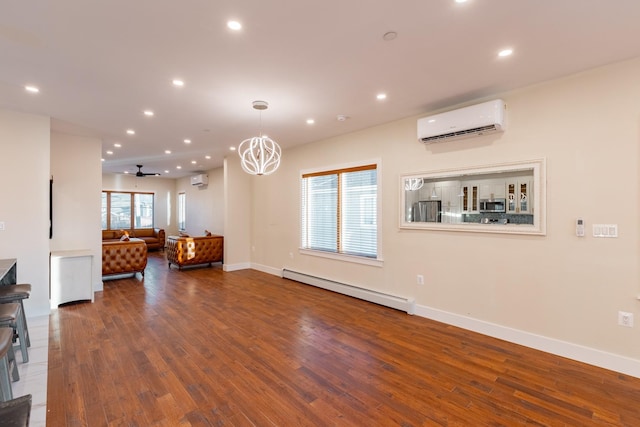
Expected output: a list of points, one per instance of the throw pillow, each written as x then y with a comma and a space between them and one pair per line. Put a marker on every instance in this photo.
207, 233
124, 238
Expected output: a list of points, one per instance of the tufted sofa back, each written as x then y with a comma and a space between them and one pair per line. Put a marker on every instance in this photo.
194, 250
124, 257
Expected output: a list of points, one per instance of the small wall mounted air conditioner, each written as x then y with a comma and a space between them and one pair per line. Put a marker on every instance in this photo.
479, 119
200, 179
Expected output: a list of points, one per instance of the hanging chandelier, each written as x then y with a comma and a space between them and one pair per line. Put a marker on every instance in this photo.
259, 155
413, 184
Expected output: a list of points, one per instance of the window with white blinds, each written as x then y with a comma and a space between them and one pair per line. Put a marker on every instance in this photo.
339, 210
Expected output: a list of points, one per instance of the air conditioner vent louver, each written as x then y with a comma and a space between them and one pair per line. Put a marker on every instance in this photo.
480, 119
476, 131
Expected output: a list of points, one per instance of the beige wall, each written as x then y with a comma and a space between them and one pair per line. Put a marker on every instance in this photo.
24, 202
163, 188
75, 167
205, 204
557, 288
237, 215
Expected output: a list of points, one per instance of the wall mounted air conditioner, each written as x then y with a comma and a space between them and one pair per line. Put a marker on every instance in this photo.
200, 179
479, 119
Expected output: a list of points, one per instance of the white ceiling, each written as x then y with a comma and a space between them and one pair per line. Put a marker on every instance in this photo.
99, 64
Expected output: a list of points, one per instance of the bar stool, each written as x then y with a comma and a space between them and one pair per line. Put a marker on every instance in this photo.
16, 412
17, 294
6, 347
10, 316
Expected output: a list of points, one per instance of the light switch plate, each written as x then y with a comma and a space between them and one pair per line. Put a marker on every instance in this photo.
605, 230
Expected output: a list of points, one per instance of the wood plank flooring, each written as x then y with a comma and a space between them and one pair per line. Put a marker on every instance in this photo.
202, 347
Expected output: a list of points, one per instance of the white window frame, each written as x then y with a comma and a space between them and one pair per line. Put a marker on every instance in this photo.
379, 260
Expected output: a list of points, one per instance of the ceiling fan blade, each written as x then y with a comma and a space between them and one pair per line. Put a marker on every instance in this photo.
142, 174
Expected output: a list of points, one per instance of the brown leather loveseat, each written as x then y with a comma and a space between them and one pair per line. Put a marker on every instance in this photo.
183, 251
124, 257
153, 237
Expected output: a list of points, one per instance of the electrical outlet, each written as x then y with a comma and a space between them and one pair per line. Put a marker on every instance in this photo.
420, 279
625, 319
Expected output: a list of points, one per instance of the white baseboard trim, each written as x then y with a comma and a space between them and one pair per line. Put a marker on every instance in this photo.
238, 266
591, 356
267, 269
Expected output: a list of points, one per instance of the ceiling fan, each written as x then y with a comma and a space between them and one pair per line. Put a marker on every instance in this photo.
140, 173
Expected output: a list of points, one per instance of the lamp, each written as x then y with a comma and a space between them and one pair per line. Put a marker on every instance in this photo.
413, 184
259, 155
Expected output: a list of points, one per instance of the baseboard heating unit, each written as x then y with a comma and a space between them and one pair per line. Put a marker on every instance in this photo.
387, 300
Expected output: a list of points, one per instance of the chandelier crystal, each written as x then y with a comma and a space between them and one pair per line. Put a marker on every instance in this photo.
259, 155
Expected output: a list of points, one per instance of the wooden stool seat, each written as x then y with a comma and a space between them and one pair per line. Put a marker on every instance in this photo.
10, 316
16, 412
6, 348
17, 293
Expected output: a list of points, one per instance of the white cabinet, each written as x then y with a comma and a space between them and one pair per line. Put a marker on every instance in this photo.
470, 197
492, 190
519, 196
70, 277
451, 203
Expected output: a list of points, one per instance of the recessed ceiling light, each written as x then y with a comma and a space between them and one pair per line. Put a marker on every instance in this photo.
131, 131
178, 167
193, 162
126, 172
166, 171
310, 121
234, 25
102, 160
207, 157
31, 89
461, 1
232, 148
505, 52
109, 152
381, 96
148, 113
342, 117
178, 82
187, 141
117, 145
167, 151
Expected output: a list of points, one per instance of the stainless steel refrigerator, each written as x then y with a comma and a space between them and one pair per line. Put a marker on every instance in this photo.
427, 211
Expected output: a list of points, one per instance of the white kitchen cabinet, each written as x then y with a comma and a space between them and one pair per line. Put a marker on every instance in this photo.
70, 277
519, 196
470, 197
451, 203
493, 189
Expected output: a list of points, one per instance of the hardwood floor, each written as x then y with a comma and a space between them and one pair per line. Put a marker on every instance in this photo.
202, 347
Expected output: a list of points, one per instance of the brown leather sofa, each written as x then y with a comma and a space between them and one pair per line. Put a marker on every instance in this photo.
124, 257
153, 237
183, 251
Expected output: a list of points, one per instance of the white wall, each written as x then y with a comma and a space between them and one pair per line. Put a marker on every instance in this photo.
24, 202
559, 288
77, 185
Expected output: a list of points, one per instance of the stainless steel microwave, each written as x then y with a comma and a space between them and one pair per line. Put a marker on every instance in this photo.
493, 205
